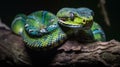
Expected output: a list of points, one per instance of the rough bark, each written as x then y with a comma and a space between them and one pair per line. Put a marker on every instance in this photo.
14, 52
106, 53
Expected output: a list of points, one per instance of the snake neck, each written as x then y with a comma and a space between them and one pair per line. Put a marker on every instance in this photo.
68, 31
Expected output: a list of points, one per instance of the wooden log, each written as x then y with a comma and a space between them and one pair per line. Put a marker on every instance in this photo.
14, 52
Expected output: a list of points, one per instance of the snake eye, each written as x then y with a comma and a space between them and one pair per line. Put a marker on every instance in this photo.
84, 20
71, 16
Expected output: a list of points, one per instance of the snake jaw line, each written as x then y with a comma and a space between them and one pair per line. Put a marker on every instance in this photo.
68, 25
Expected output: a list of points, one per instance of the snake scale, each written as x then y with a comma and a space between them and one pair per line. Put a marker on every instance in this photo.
43, 29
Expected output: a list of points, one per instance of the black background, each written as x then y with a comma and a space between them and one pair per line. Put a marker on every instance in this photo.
9, 8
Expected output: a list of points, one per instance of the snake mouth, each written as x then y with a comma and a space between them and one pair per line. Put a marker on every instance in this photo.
81, 23
70, 25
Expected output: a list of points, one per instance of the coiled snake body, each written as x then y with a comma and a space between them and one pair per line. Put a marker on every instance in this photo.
42, 29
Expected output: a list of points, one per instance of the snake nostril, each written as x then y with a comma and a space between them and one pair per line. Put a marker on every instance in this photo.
83, 20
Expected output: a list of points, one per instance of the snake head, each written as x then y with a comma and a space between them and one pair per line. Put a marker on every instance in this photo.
75, 18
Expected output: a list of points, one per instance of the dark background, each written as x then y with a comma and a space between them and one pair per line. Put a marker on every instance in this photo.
10, 8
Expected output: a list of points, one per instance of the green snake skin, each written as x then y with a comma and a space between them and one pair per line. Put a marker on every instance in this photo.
39, 29
82, 20
42, 29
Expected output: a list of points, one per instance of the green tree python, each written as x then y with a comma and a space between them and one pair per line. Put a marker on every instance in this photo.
43, 29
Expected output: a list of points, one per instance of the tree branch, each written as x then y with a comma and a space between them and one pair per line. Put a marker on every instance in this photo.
107, 53
14, 52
